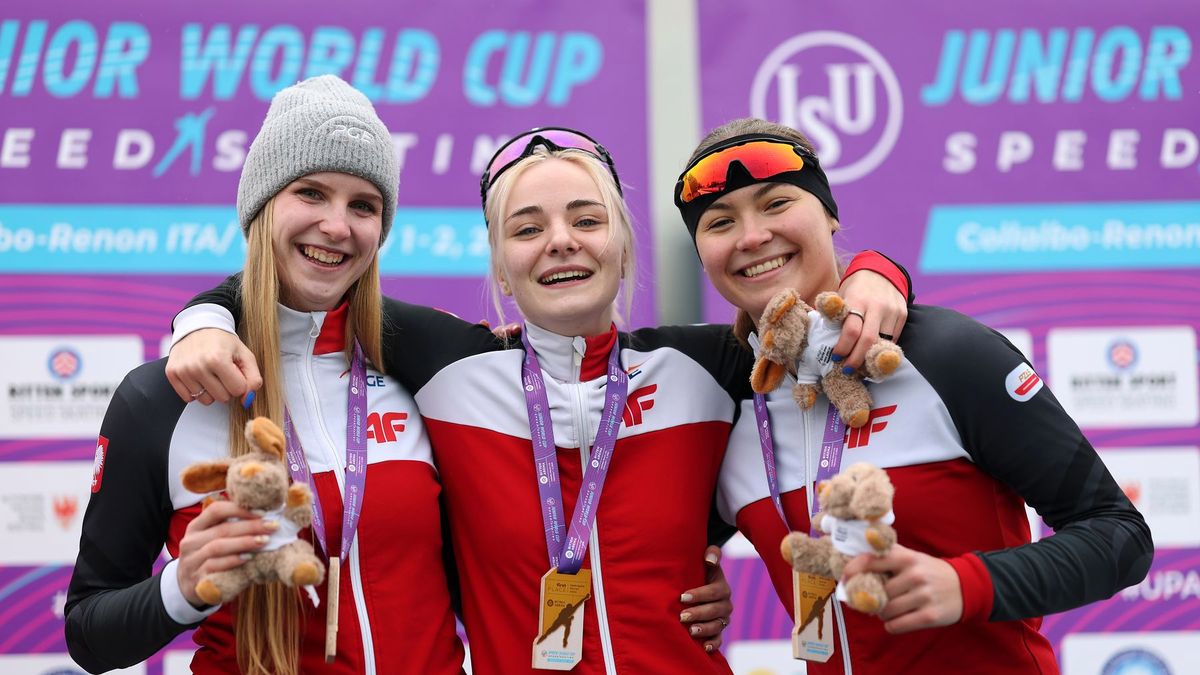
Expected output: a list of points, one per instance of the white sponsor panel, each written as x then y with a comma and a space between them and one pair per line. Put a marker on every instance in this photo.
737, 547
60, 386
41, 511
177, 662
164, 346
1021, 339
1153, 653
1125, 377
763, 657
51, 664
1164, 484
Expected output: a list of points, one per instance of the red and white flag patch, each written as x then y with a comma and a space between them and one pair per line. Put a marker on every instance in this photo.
98, 463
1022, 383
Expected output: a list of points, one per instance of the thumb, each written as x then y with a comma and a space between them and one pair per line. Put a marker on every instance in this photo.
712, 556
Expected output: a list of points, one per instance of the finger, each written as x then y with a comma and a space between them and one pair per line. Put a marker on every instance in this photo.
706, 629
223, 547
183, 386
900, 603
712, 556
222, 563
899, 318
910, 622
713, 645
712, 592
219, 512
485, 323
867, 338
709, 611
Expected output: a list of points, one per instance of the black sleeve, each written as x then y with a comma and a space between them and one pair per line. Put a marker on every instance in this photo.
115, 616
419, 341
227, 295
710, 345
1101, 542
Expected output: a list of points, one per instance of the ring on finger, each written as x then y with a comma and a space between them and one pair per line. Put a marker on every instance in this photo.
857, 313
887, 336
199, 393
724, 622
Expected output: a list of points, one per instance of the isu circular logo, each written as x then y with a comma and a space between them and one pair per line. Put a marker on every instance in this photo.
64, 363
840, 92
1122, 354
1135, 661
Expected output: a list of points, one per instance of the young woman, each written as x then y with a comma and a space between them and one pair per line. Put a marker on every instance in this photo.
315, 204
636, 421
965, 429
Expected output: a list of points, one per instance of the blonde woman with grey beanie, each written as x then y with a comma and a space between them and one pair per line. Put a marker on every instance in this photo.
316, 199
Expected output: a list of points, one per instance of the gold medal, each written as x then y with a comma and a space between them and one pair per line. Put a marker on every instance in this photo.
812, 637
331, 608
559, 644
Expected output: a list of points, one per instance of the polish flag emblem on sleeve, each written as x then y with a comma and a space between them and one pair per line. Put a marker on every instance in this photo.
1022, 383
98, 463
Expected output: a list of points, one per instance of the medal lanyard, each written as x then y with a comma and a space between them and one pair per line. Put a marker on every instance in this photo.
541, 429
356, 458
831, 456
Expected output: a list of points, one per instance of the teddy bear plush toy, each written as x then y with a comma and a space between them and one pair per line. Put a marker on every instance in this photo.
796, 338
856, 513
258, 482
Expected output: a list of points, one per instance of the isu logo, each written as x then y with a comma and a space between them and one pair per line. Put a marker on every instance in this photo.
383, 428
65, 509
1022, 383
860, 437
637, 403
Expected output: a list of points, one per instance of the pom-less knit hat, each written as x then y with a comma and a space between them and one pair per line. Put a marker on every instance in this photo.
320, 124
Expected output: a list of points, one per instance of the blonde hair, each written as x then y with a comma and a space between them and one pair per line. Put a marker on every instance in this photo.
743, 323
610, 196
267, 627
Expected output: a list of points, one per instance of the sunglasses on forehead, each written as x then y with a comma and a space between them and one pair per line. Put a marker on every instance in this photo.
760, 157
552, 138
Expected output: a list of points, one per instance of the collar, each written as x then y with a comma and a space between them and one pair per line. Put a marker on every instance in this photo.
297, 328
556, 353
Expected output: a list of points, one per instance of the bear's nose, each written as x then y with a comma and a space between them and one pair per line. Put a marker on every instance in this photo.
251, 470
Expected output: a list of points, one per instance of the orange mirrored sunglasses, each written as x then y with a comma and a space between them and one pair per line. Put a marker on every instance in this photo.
761, 158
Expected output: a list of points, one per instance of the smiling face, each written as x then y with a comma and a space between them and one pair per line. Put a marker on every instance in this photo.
559, 253
325, 234
757, 240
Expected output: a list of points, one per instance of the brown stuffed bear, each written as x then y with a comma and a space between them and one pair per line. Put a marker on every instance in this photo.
797, 339
258, 482
856, 512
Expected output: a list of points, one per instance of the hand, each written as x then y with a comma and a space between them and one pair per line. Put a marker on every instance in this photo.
509, 331
212, 543
883, 310
923, 591
711, 606
214, 364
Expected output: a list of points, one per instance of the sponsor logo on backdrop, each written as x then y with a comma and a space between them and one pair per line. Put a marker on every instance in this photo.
1149, 653
1165, 586
40, 515
838, 90
1164, 484
1125, 377
49, 389
51, 664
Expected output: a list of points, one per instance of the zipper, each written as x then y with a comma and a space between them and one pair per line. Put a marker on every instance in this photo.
583, 433
360, 606
810, 482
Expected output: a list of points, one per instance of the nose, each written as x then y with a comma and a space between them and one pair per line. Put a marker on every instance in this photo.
335, 224
562, 239
754, 233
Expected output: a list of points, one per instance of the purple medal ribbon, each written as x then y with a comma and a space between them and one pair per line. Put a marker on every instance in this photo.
356, 458
830, 462
546, 461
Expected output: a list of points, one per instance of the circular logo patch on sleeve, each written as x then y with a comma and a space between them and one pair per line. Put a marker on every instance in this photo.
1022, 383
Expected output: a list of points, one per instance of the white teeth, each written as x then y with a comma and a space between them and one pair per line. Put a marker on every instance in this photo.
755, 270
323, 256
563, 276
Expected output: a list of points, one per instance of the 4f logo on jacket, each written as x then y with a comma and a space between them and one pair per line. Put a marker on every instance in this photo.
860, 437
383, 428
638, 402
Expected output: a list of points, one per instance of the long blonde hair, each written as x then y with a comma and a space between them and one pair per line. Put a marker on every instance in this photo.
610, 196
267, 627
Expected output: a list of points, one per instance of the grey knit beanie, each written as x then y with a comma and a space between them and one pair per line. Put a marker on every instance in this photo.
320, 124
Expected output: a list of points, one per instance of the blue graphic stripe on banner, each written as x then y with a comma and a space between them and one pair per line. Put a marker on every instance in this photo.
1028, 237
102, 239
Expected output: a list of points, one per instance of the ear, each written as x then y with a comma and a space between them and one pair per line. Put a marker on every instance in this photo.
206, 477
265, 436
503, 284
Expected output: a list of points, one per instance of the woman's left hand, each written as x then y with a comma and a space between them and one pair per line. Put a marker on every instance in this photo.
710, 605
883, 311
923, 592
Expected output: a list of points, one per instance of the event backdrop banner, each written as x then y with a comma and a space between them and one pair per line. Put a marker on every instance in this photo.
1035, 166
123, 127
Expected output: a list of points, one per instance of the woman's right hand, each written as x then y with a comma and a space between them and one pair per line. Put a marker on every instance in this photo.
214, 543
212, 365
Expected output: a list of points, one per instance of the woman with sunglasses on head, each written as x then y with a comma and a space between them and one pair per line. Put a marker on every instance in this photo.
965, 452
315, 204
585, 457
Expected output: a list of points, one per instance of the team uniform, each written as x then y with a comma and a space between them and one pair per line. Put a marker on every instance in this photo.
968, 435
394, 611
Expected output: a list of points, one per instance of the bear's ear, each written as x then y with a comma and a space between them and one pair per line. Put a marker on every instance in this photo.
206, 477
265, 436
